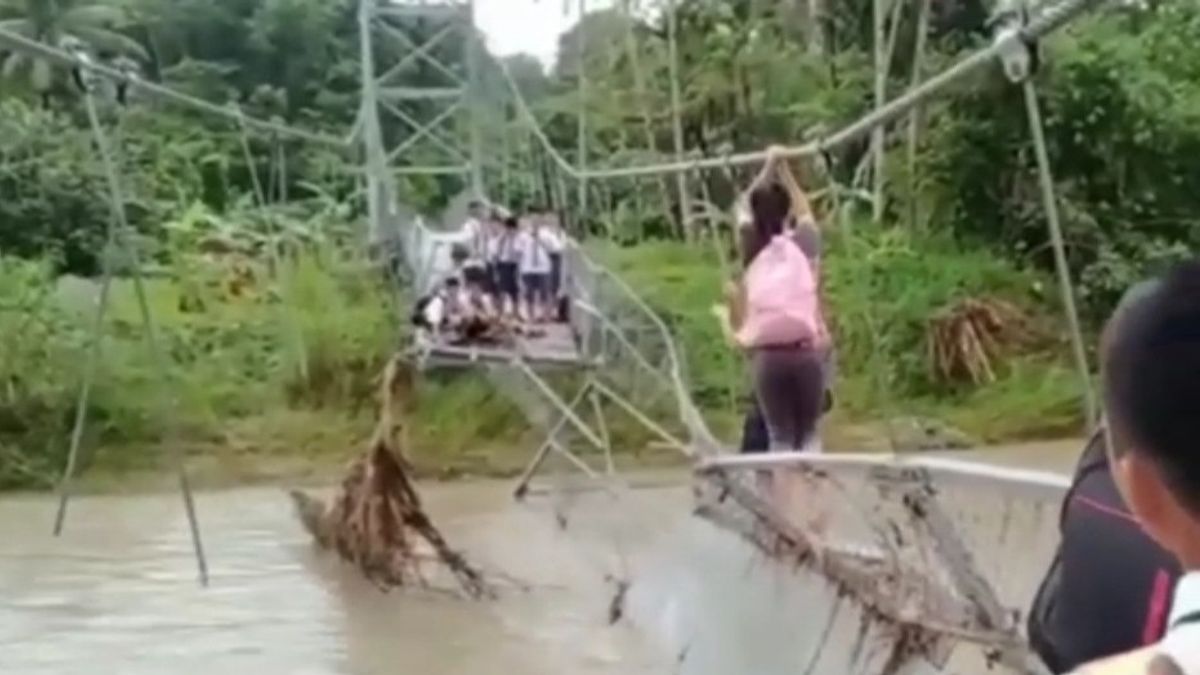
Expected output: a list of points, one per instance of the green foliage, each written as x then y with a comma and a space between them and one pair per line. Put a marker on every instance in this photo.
40, 352
52, 196
239, 343
1120, 109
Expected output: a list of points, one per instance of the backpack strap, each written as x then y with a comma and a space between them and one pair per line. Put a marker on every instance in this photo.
1093, 459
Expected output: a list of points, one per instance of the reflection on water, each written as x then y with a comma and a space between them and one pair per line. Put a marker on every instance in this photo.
117, 592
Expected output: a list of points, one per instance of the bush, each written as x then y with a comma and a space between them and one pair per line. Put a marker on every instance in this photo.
1120, 103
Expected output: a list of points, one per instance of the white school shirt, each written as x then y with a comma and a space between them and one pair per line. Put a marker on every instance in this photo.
534, 255
477, 235
435, 311
1182, 641
552, 239
507, 246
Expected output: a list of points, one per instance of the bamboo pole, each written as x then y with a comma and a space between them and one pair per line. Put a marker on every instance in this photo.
639, 89
681, 183
914, 117
581, 160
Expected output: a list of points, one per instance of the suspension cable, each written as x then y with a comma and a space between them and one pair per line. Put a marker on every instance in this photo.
273, 255
1048, 21
118, 233
60, 57
1066, 287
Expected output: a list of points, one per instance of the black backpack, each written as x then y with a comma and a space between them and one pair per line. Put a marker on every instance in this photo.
418, 312
1040, 624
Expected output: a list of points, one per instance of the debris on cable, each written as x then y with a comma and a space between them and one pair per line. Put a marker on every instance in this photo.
375, 519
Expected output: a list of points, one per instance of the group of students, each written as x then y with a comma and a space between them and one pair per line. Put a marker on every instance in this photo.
506, 276
1123, 592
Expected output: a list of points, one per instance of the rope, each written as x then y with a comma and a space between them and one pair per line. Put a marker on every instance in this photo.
89, 377
1050, 205
56, 56
272, 248
1047, 22
119, 225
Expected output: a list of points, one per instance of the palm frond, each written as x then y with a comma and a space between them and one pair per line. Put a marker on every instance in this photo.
96, 16
19, 26
110, 41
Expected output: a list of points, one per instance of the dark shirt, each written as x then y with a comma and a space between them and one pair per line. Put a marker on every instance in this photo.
1113, 588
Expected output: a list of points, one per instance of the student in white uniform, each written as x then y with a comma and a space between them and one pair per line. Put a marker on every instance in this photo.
535, 267
506, 256
1152, 396
475, 229
556, 242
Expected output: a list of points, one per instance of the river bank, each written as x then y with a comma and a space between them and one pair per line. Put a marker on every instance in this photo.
321, 459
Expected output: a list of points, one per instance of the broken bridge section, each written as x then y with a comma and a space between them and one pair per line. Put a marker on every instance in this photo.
922, 565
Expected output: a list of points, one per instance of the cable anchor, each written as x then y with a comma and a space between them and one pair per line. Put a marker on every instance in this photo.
1020, 54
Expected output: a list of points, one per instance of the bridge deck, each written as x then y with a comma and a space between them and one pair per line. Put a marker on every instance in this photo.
552, 345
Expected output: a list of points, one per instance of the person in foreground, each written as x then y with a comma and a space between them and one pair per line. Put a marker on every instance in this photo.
1152, 395
1108, 589
775, 312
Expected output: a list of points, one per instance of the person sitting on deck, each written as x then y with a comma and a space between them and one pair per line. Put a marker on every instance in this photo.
782, 328
1152, 395
475, 317
429, 315
1108, 589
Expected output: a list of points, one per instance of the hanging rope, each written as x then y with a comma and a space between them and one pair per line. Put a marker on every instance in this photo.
1066, 287
119, 228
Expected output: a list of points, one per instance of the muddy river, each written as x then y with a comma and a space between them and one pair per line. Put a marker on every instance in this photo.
117, 593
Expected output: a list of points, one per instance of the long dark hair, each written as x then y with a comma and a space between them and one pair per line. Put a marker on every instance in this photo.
770, 208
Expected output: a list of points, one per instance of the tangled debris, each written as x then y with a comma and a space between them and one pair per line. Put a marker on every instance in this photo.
967, 338
376, 520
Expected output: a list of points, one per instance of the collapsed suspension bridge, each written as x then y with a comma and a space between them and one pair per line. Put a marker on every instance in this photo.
622, 352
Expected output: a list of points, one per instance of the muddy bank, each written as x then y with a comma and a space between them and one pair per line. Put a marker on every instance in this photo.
222, 467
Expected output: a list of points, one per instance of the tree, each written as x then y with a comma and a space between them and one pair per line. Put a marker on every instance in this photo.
50, 21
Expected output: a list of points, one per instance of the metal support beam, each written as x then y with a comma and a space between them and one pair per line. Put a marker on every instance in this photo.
641, 417
427, 130
372, 135
581, 150
408, 42
474, 101
421, 51
550, 443
419, 93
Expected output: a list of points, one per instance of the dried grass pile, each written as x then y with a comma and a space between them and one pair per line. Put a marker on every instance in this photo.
968, 338
376, 520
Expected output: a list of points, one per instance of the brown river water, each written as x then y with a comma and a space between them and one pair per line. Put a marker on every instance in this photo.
117, 592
